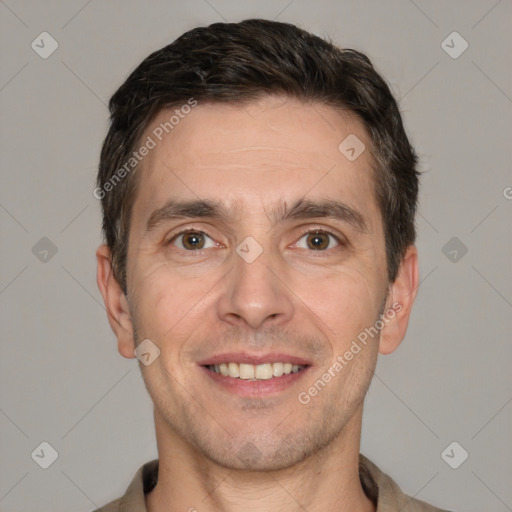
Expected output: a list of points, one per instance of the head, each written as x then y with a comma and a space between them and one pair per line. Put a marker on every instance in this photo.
245, 126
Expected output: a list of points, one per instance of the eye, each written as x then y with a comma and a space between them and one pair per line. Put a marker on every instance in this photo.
192, 240
318, 240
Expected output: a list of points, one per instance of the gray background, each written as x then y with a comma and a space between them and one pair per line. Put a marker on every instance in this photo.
62, 380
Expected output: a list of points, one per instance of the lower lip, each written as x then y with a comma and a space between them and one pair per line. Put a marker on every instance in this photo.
255, 388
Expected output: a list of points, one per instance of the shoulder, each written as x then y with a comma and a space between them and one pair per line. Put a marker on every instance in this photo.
133, 499
385, 491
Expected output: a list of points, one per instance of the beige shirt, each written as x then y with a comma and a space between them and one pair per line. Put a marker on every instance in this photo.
379, 487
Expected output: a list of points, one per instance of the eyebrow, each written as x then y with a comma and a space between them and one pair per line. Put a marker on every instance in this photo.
301, 209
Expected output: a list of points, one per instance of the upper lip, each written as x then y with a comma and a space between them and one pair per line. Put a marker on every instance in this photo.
255, 359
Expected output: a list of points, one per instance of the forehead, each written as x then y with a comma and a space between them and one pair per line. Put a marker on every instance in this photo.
273, 150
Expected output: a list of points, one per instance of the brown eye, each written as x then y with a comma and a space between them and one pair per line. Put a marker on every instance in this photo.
191, 241
318, 240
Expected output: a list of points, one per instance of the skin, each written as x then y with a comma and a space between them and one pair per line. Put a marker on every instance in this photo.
218, 450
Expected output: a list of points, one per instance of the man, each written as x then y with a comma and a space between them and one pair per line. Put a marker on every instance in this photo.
258, 194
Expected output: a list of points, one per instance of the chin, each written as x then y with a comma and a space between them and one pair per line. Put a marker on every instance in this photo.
263, 454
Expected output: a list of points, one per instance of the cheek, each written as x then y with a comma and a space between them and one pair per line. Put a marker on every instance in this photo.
162, 306
346, 301
347, 306
169, 305
166, 316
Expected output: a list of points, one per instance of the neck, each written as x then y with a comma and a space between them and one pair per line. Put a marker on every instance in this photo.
329, 480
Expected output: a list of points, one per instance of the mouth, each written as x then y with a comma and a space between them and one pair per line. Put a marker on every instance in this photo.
247, 375
255, 372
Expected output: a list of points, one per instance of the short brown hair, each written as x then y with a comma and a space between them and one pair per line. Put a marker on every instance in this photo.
241, 62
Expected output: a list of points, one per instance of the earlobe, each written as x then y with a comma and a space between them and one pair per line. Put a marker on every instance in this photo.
115, 301
399, 303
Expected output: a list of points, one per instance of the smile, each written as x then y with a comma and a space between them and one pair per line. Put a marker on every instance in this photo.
263, 371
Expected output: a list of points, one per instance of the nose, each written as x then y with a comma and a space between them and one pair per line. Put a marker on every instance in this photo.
255, 293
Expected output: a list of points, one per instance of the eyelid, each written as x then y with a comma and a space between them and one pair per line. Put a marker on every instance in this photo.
169, 239
341, 240
324, 230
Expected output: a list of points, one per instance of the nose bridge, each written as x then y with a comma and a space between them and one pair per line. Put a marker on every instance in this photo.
254, 292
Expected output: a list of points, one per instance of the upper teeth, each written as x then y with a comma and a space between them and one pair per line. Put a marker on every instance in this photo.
255, 371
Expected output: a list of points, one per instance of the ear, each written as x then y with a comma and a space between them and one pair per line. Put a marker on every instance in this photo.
115, 302
400, 299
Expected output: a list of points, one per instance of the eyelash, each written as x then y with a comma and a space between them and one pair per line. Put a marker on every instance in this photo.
308, 232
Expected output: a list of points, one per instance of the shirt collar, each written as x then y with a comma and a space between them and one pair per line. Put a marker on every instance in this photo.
378, 486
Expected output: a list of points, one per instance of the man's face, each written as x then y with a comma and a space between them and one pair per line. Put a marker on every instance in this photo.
210, 297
